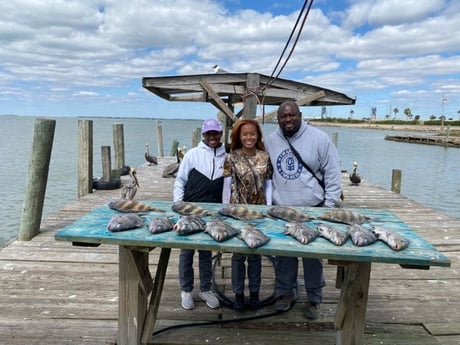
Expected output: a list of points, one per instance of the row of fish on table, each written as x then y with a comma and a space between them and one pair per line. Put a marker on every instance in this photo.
298, 224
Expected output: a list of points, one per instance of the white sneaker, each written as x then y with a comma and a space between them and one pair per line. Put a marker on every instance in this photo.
210, 299
187, 300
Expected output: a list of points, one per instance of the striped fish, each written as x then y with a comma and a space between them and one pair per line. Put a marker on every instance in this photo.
288, 214
361, 236
301, 232
252, 236
219, 230
121, 222
161, 224
333, 235
188, 208
189, 224
126, 205
241, 212
340, 215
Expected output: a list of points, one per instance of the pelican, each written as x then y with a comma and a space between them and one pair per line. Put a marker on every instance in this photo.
171, 169
354, 176
148, 157
129, 190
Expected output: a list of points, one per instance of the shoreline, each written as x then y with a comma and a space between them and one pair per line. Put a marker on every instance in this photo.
391, 127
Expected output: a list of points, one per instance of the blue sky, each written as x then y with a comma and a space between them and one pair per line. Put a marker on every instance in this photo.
88, 57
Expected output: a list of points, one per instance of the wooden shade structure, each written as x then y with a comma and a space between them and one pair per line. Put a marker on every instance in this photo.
224, 90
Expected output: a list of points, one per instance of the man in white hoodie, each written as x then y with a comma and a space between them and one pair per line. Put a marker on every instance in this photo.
306, 172
200, 179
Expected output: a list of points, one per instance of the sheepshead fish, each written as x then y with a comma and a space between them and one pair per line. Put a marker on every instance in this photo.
288, 214
361, 236
301, 232
127, 205
331, 234
219, 230
126, 221
188, 208
252, 236
240, 212
161, 224
394, 240
189, 224
340, 215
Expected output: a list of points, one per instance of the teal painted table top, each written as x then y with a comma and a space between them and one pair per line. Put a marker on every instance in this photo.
92, 229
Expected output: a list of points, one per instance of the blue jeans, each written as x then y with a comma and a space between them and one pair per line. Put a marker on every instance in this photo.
186, 273
286, 277
239, 272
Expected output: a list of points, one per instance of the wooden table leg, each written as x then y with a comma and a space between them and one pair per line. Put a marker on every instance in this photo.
351, 308
156, 296
135, 284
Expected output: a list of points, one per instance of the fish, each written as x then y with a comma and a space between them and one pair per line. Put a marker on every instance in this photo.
394, 240
127, 205
360, 236
241, 212
188, 208
126, 221
161, 224
340, 215
252, 236
301, 232
189, 224
288, 214
331, 234
219, 230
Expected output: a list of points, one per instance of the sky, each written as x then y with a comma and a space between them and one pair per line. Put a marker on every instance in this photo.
88, 57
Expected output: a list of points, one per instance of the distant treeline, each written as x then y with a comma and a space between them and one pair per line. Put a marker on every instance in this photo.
388, 122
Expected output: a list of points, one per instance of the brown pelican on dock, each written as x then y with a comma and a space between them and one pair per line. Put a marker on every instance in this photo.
354, 176
129, 190
171, 169
148, 157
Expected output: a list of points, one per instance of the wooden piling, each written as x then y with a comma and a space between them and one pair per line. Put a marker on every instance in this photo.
106, 164
118, 147
40, 157
396, 181
174, 146
160, 139
85, 158
335, 138
196, 137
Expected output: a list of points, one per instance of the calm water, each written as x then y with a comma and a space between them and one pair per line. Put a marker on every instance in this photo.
429, 173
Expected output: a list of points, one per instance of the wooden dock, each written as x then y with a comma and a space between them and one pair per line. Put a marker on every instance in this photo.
426, 139
54, 293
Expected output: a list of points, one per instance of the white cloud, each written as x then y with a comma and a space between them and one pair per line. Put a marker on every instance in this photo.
98, 49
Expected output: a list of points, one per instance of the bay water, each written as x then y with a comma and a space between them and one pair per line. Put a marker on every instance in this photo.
430, 174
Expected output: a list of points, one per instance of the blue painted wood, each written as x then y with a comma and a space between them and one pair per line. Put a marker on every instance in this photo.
92, 229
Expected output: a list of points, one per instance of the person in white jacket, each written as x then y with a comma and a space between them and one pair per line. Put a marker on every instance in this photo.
247, 180
306, 172
200, 179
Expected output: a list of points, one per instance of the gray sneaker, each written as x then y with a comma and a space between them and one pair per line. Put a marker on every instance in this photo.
210, 299
312, 311
187, 300
284, 303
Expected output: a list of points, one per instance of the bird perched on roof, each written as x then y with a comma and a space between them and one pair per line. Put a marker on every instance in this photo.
354, 176
148, 157
129, 190
219, 70
171, 169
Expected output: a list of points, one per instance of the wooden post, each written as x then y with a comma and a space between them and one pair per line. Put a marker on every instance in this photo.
106, 164
160, 139
196, 137
85, 158
174, 146
335, 138
396, 181
118, 147
40, 157
250, 101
